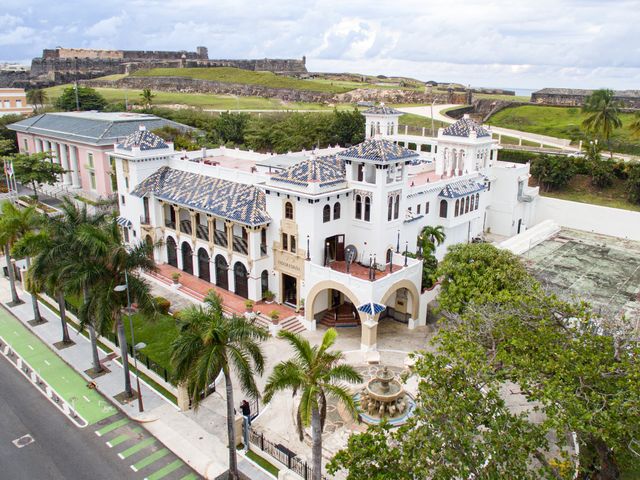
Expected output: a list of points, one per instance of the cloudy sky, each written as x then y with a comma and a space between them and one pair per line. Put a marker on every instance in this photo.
516, 43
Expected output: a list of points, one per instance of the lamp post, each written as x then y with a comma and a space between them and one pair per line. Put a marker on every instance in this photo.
406, 249
308, 253
122, 288
398, 243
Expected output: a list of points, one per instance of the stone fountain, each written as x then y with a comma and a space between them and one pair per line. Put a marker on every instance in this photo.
384, 396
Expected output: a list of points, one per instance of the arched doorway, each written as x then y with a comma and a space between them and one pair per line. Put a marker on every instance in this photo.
332, 305
203, 265
240, 280
222, 272
187, 258
264, 282
172, 252
402, 301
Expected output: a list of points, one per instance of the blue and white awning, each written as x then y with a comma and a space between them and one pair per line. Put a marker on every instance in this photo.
371, 308
123, 222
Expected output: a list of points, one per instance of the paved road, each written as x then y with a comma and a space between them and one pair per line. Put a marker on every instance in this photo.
60, 450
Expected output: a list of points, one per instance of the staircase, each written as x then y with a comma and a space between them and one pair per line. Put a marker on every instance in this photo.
340, 317
292, 324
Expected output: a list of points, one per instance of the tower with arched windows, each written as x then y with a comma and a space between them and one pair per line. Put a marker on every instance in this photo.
464, 147
381, 121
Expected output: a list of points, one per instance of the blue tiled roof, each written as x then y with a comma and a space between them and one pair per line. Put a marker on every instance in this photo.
230, 200
378, 150
464, 127
382, 110
461, 188
143, 139
327, 170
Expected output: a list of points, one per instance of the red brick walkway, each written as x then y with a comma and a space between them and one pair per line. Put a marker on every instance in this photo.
198, 288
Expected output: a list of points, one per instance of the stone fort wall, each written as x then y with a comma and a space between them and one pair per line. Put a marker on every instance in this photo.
576, 98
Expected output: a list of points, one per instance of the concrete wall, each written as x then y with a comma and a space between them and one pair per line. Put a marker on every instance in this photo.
591, 218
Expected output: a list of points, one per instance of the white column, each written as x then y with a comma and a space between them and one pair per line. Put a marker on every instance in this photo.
64, 161
75, 170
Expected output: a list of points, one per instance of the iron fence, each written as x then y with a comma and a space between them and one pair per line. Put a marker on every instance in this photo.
282, 454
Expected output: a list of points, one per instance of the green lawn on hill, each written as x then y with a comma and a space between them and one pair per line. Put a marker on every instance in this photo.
246, 77
562, 122
198, 100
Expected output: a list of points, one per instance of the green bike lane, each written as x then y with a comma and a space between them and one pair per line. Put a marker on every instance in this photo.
67, 383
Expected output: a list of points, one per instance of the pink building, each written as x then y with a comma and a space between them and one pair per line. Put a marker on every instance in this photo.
80, 142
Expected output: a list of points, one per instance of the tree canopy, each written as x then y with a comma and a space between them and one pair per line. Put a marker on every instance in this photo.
552, 171
603, 113
478, 273
88, 99
36, 169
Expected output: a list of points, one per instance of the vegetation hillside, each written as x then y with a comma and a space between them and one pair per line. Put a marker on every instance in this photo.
563, 122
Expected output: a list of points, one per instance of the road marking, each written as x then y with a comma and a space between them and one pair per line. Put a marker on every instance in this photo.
191, 476
164, 471
136, 448
30, 346
85, 397
23, 441
117, 441
112, 426
145, 462
47, 362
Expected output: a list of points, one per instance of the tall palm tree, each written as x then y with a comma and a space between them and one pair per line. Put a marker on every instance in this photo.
316, 373
117, 265
208, 343
16, 224
37, 96
430, 237
635, 125
603, 114
75, 262
7, 238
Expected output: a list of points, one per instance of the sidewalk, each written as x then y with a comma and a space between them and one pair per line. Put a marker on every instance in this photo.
202, 448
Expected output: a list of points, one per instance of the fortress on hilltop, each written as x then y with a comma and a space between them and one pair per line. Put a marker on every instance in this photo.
63, 65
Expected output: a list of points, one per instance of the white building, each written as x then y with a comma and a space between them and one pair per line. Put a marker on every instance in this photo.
328, 229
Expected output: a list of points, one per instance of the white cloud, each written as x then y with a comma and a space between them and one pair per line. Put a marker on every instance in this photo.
482, 42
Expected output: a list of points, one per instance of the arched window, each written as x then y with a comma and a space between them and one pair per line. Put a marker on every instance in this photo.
367, 209
288, 211
396, 208
264, 282
336, 210
455, 212
473, 203
292, 244
390, 208
477, 200
443, 209
358, 207
466, 205
326, 214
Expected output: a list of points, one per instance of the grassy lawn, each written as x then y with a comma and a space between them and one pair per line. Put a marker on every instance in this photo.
563, 122
417, 122
247, 77
581, 190
157, 334
272, 469
508, 98
201, 100
352, 84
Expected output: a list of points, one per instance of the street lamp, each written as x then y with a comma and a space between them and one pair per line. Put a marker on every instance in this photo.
123, 288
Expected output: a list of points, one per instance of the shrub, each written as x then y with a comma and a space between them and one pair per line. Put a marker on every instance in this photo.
274, 315
163, 305
269, 295
248, 304
553, 172
633, 183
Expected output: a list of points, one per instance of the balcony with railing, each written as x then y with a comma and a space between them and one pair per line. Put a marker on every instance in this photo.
170, 223
185, 226
240, 245
202, 232
220, 238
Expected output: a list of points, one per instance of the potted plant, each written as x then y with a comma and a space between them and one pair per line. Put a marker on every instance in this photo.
248, 304
275, 317
175, 276
269, 296
300, 308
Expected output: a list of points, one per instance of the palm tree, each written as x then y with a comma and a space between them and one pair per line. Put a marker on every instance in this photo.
75, 261
208, 343
603, 114
36, 97
635, 125
117, 265
16, 224
430, 237
147, 97
316, 373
